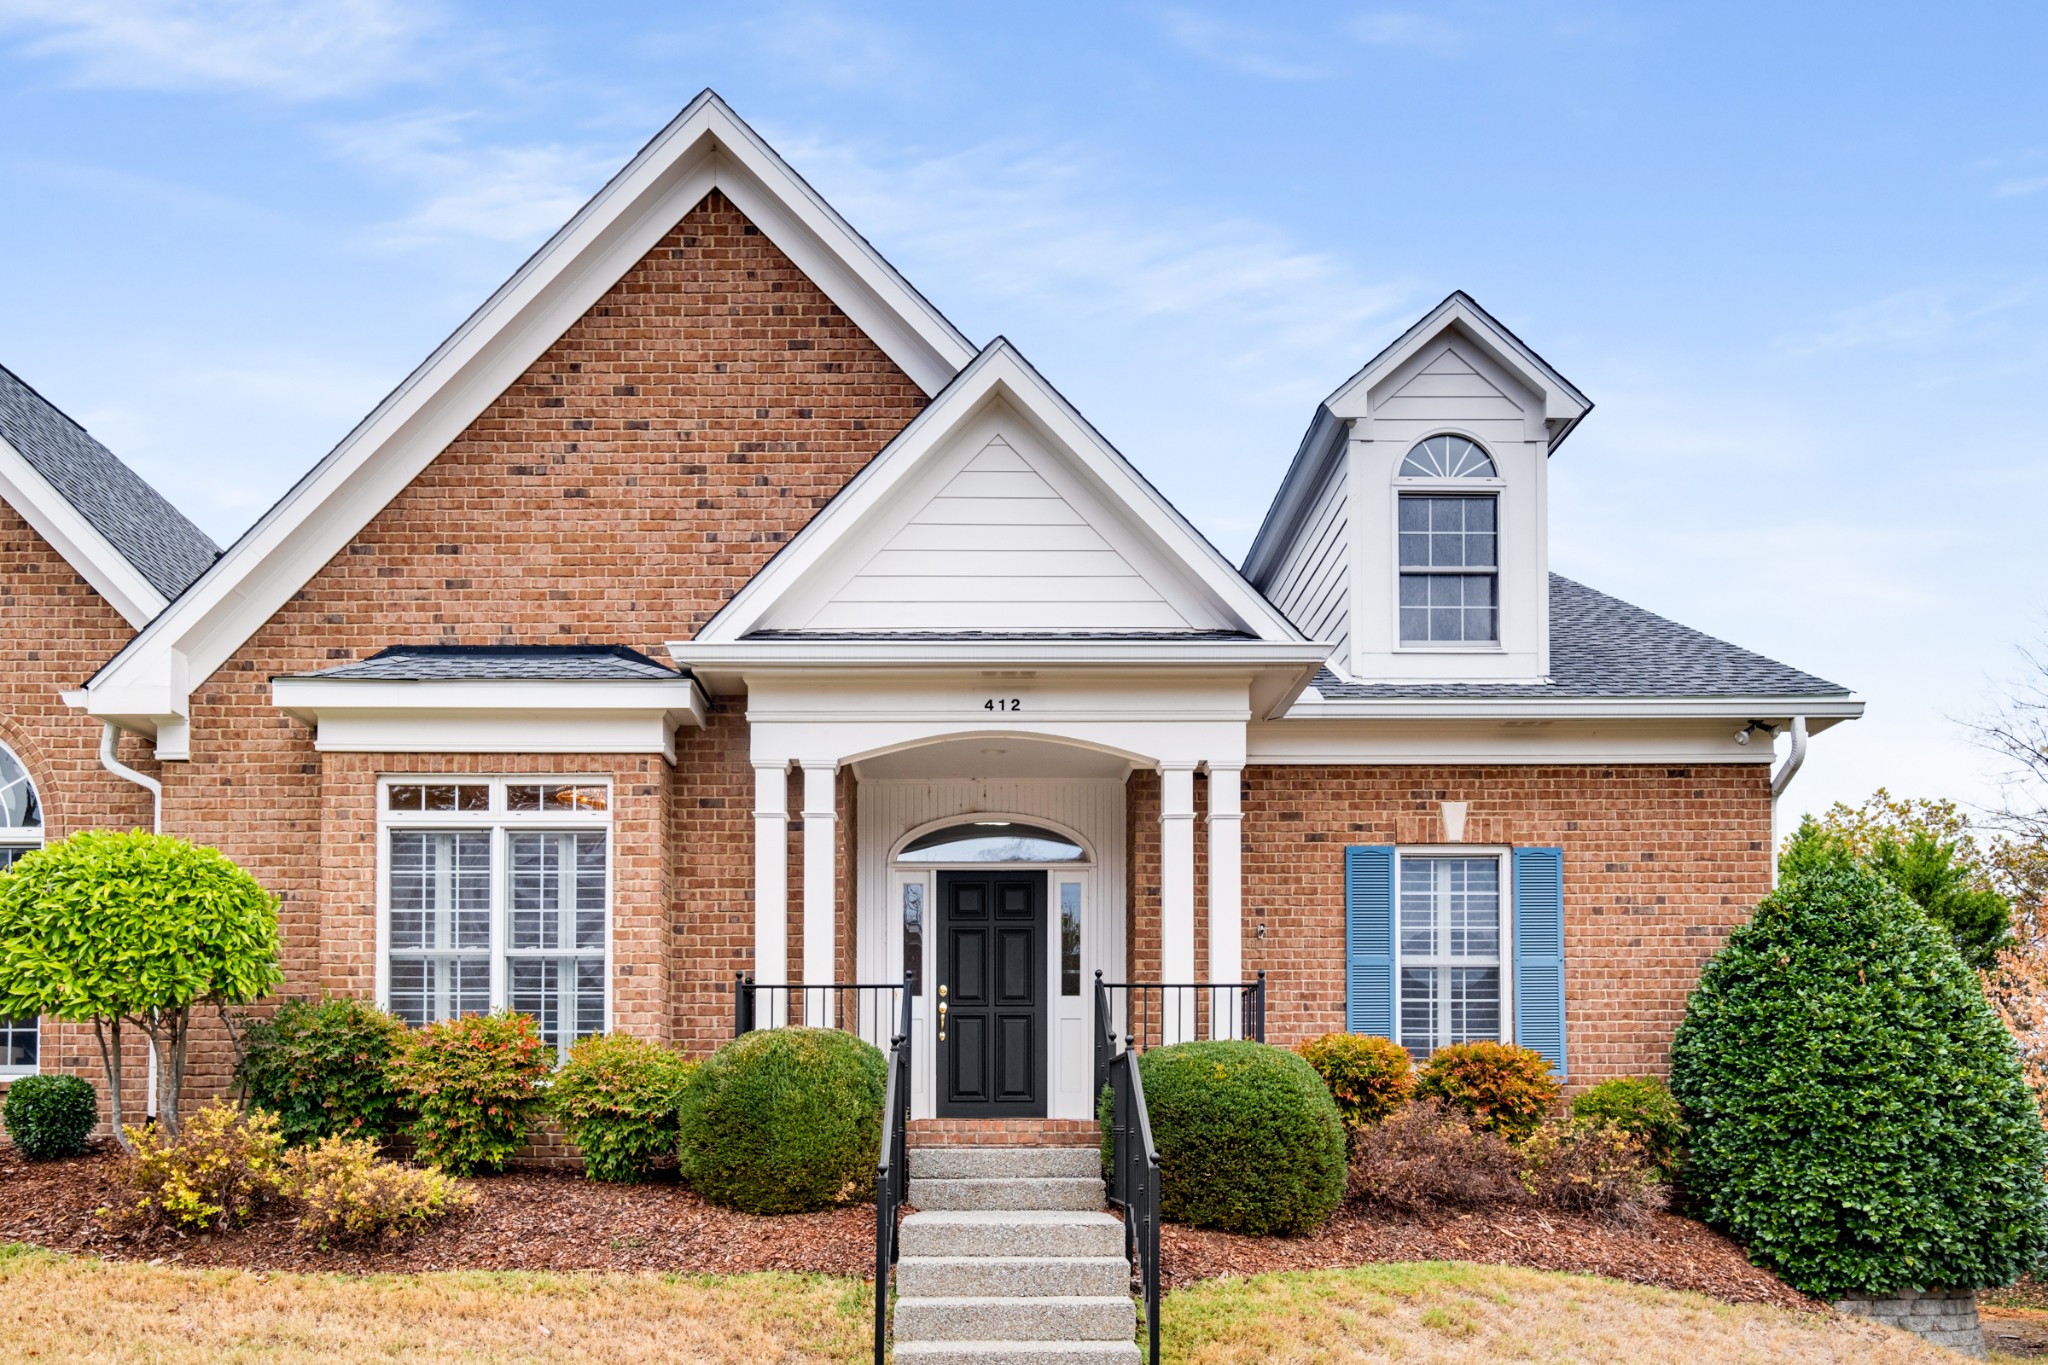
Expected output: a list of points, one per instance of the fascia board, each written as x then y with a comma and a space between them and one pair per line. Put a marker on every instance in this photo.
1322, 445
50, 514
307, 698
1023, 653
1820, 711
498, 342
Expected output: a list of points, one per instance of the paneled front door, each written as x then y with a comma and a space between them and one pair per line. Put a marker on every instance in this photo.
992, 992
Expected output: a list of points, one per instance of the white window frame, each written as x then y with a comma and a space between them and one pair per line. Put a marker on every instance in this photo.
24, 837
1495, 488
500, 822
1504, 857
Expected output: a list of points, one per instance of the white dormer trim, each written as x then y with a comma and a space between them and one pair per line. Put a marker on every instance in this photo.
870, 504
50, 515
146, 686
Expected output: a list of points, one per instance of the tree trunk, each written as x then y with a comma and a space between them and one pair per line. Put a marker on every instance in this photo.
110, 1063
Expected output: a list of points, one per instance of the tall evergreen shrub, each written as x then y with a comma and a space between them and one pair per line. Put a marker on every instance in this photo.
1857, 1116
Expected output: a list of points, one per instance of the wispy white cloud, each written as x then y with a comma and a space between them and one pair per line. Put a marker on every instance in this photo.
1911, 319
1414, 29
2019, 186
503, 193
291, 49
1242, 48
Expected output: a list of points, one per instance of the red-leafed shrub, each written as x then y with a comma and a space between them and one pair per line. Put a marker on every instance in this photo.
474, 1084
1369, 1077
1506, 1090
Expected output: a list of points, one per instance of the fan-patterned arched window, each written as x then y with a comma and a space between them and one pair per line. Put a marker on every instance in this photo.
21, 831
1449, 547
1448, 457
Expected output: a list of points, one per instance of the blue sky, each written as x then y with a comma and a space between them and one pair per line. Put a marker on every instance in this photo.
1794, 253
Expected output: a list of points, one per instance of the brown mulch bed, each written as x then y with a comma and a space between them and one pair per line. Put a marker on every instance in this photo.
556, 1220
525, 1220
1665, 1250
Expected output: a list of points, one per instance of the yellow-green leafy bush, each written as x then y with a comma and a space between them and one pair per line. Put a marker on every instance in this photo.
215, 1174
344, 1192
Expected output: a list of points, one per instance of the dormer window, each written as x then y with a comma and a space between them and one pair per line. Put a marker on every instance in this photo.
1448, 544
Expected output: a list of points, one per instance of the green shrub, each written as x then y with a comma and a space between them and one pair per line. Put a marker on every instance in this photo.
1856, 1114
473, 1085
214, 1174
1249, 1139
1369, 1077
1644, 1108
1507, 1090
784, 1121
50, 1116
617, 1096
324, 1068
345, 1193
1589, 1166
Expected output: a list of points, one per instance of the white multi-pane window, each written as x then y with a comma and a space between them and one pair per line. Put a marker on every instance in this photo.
497, 894
1449, 923
21, 831
1448, 544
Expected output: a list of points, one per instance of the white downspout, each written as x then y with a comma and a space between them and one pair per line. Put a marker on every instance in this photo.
110, 735
1782, 779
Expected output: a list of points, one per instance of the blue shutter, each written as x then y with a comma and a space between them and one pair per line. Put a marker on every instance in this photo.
1369, 940
1539, 952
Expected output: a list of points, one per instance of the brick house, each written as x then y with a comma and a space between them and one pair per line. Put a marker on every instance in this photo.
708, 605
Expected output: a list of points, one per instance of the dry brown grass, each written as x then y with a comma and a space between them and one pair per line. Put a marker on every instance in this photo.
60, 1308
1442, 1312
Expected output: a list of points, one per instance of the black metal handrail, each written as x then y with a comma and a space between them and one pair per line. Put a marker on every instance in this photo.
892, 1171
1134, 1183
871, 1006
1151, 1012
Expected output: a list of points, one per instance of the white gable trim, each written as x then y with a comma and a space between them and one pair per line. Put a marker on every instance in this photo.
492, 716
1563, 405
50, 514
706, 147
904, 469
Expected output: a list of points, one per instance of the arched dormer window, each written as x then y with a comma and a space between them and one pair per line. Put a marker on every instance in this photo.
21, 831
1447, 457
1449, 546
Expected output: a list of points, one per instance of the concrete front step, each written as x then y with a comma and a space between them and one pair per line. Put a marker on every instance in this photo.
1020, 1352
985, 1163
972, 1232
988, 1318
1007, 1192
934, 1277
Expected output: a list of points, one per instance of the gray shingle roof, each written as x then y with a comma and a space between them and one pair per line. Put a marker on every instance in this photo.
501, 663
137, 521
1600, 646
951, 636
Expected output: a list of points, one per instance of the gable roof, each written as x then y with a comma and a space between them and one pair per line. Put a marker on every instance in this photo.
706, 147
1601, 646
136, 549
871, 502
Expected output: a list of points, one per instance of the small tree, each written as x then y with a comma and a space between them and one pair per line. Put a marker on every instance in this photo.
116, 929
1857, 1115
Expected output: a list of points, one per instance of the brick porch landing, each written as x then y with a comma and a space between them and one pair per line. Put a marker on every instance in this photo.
1004, 1133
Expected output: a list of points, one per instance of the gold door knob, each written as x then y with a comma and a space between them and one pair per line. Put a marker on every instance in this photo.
942, 1014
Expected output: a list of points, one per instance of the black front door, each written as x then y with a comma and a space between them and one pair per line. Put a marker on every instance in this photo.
992, 991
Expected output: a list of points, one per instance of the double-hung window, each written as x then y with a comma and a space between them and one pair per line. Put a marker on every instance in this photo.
1449, 934
497, 894
21, 831
1448, 546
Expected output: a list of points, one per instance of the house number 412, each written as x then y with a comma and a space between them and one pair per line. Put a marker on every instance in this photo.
1003, 704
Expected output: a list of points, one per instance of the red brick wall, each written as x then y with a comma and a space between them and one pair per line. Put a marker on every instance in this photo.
55, 631
619, 492
1659, 864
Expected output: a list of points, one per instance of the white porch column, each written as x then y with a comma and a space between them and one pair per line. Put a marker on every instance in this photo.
821, 885
1226, 897
771, 889
1177, 897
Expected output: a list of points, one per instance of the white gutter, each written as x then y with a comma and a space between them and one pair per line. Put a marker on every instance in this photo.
110, 735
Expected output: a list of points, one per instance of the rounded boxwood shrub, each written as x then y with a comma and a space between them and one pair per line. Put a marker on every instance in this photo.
1506, 1089
1249, 1139
472, 1084
785, 1120
1641, 1106
50, 1116
1857, 1117
323, 1067
617, 1097
1369, 1077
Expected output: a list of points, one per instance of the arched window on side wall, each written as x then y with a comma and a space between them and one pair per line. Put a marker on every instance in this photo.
21, 831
